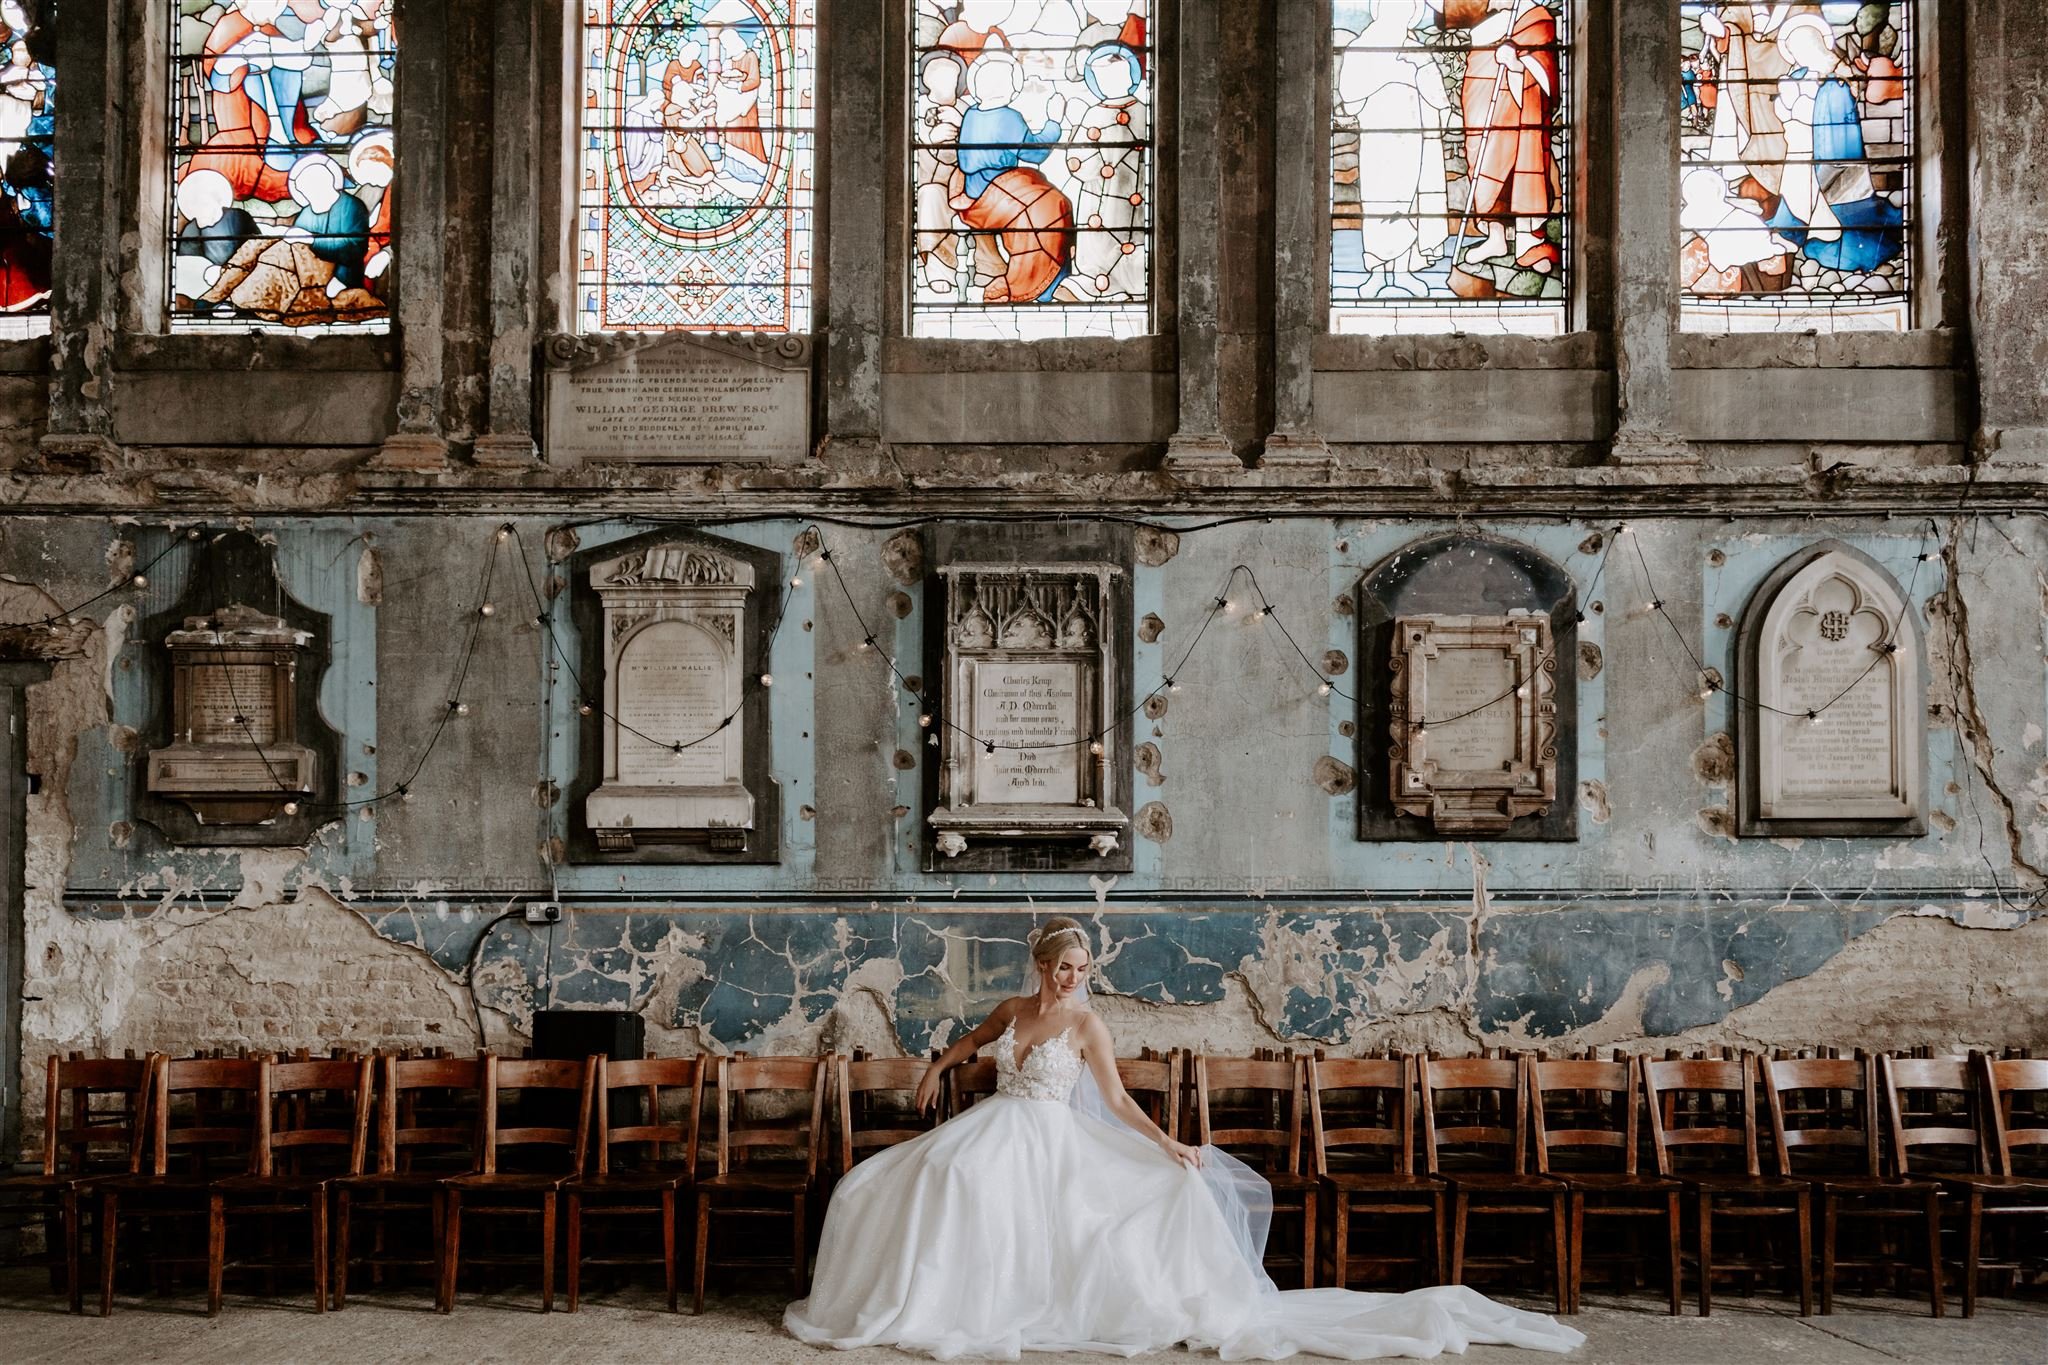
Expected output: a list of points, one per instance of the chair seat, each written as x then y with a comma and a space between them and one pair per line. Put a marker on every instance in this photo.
159, 1184
1290, 1182
791, 1182
627, 1181
1500, 1182
1382, 1182
1742, 1184
1999, 1184
419, 1181
1870, 1184
513, 1181
1613, 1182
61, 1180
271, 1184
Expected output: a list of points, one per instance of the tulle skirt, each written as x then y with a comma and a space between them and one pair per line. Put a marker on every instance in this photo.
1023, 1226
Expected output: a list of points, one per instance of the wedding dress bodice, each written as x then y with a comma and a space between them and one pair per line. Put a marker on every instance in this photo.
1049, 1070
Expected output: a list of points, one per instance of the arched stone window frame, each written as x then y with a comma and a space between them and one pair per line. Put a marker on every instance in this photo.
1787, 591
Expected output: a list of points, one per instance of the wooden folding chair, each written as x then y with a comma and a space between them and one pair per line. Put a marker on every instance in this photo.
1584, 1115
1367, 1165
1482, 1155
1260, 1105
652, 1159
767, 1165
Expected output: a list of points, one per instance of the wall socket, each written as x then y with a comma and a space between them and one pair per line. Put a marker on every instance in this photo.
543, 912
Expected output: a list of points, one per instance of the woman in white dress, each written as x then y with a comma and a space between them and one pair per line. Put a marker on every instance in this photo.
1028, 1223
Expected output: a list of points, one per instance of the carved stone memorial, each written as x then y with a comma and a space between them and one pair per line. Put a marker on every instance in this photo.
1833, 725
235, 759
1475, 720
1031, 710
679, 397
1468, 693
674, 628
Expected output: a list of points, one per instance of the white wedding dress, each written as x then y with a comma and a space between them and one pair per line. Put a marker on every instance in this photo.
1024, 1224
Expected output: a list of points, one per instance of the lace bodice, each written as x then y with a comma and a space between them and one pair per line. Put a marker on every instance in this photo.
1049, 1071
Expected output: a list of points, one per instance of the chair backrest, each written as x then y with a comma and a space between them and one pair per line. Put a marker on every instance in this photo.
1487, 1133
968, 1082
429, 1113
204, 1114
1586, 1112
90, 1135
793, 1136
657, 1087
1260, 1102
1154, 1082
547, 1090
1708, 1106
2017, 1088
1822, 1109
296, 1120
1377, 1128
867, 1122
1935, 1114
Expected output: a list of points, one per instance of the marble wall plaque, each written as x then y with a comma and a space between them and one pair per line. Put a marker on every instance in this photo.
1831, 636
234, 759
675, 683
1474, 720
1475, 736
1019, 707
679, 398
221, 692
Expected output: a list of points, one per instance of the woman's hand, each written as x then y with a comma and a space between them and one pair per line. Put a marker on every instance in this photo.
928, 1087
1190, 1157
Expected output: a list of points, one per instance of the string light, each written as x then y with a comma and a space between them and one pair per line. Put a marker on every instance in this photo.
505, 533
291, 808
487, 610
867, 644
1654, 604
1323, 688
796, 580
584, 708
460, 708
1172, 686
767, 680
139, 581
1095, 747
1813, 717
1260, 614
924, 720
1226, 604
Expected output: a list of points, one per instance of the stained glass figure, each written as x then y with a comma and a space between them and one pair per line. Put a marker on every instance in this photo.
28, 94
1450, 152
282, 160
1795, 165
695, 205
1031, 168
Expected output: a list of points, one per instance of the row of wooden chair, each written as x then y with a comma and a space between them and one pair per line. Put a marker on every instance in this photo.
162, 1141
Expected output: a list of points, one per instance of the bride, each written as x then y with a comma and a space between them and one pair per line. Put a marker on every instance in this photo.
1055, 1216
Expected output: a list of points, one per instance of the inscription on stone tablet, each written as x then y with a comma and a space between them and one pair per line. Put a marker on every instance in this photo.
221, 692
1462, 681
1849, 753
678, 401
675, 685
1018, 707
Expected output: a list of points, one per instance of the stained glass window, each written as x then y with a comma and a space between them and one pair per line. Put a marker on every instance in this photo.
1031, 168
1450, 162
697, 141
28, 95
282, 158
1795, 165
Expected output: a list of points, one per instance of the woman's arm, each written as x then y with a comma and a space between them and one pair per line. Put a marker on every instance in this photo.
1100, 1054
984, 1033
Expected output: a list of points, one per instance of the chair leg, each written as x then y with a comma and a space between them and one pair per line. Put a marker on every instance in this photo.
1706, 1254
1340, 1269
799, 1262
109, 1222
574, 1214
1308, 1239
216, 1250
1672, 1227
338, 1276
668, 1245
1934, 1253
1559, 1254
320, 1251
1461, 1206
1830, 1215
1973, 1236
69, 1217
451, 1249
703, 1249
547, 1252
1575, 1268
1805, 1253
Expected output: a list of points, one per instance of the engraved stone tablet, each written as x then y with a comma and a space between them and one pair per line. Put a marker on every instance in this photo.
679, 398
674, 727
234, 759
1837, 688
1474, 719
1029, 683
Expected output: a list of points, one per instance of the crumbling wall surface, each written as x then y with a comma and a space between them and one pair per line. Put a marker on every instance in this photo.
1252, 915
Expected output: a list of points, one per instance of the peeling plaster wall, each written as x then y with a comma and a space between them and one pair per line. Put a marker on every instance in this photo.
1253, 915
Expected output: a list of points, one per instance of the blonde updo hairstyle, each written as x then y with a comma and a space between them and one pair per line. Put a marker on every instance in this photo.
1055, 937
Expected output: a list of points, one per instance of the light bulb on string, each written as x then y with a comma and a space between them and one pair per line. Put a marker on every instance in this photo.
584, 708
1226, 604
487, 610
767, 680
460, 708
1813, 717
291, 808
1095, 747
505, 532
1172, 686
867, 644
796, 580
1260, 614
1323, 688
139, 581
924, 721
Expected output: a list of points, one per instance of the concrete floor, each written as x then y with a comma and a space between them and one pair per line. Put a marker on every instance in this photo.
630, 1327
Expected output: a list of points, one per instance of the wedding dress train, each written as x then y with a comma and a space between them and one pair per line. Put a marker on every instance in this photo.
1024, 1224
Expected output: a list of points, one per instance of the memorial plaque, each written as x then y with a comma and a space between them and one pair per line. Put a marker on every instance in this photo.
1835, 736
679, 398
231, 704
1032, 713
1028, 677
674, 617
234, 759
1474, 728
